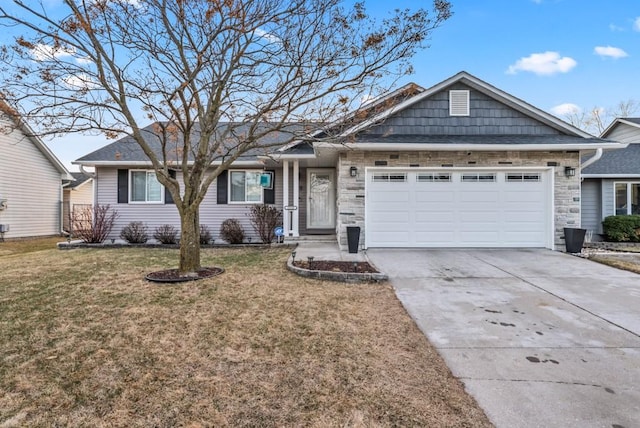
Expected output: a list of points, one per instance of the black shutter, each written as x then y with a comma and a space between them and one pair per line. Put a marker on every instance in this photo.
222, 187
123, 186
270, 194
168, 199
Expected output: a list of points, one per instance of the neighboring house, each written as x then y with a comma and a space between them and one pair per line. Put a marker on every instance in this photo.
611, 184
77, 196
31, 180
461, 164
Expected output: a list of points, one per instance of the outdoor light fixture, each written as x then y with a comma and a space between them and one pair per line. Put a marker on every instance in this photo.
569, 171
353, 171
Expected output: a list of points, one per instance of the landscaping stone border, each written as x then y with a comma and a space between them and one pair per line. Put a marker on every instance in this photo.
613, 246
348, 277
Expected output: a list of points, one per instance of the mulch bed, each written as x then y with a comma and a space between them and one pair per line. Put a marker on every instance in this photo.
336, 266
173, 275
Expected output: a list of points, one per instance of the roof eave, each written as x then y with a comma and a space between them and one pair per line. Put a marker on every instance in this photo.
148, 163
610, 175
467, 146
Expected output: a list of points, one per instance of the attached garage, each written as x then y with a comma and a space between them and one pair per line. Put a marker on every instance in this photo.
477, 207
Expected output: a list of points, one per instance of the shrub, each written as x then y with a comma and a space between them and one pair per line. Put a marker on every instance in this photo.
622, 228
265, 218
93, 223
135, 233
205, 234
166, 234
231, 231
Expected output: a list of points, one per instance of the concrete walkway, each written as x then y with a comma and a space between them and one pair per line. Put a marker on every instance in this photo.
539, 338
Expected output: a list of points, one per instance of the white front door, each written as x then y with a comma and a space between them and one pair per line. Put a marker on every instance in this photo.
321, 198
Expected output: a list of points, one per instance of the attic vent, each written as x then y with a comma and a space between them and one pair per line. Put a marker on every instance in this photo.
459, 103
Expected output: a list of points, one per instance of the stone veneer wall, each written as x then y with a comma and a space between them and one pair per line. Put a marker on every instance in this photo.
351, 196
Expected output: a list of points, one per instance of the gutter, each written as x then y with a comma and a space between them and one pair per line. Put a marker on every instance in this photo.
467, 147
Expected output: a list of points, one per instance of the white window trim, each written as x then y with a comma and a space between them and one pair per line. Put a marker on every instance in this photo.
455, 108
245, 202
629, 205
160, 202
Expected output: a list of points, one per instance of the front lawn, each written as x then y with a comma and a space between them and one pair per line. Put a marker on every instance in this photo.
85, 341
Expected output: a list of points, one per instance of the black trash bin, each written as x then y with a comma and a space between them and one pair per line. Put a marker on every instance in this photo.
353, 238
574, 239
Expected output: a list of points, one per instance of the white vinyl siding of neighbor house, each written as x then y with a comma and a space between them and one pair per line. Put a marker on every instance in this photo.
212, 214
78, 197
590, 205
32, 186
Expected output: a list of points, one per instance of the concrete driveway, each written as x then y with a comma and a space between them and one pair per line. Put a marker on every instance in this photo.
539, 338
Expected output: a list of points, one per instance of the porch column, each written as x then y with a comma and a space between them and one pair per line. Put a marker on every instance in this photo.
296, 196
286, 220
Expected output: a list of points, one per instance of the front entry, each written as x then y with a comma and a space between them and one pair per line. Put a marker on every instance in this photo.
321, 198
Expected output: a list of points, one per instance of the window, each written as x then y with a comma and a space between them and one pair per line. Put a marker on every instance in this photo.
459, 103
431, 177
478, 177
627, 197
522, 176
392, 178
145, 187
244, 187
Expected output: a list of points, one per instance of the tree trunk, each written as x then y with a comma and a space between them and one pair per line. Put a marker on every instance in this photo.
189, 242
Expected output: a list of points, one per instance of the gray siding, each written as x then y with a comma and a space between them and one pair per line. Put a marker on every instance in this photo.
154, 215
31, 184
487, 117
608, 198
625, 133
591, 205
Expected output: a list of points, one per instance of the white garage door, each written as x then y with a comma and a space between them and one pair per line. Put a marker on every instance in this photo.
462, 208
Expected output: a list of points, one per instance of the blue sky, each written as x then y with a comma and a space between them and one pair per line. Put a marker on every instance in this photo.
547, 52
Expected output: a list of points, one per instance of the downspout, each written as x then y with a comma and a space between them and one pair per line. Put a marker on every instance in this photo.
592, 159
62, 231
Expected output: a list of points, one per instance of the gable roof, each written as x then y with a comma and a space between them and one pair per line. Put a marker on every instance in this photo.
12, 114
618, 163
485, 88
631, 121
127, 151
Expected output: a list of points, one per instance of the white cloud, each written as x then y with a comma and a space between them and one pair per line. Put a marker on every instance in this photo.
544, 64
616, 28
80, 82
267, 36
566, 109
610, 51
42, 52
636, 24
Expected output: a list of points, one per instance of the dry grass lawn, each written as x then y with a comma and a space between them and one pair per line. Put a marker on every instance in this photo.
85, 341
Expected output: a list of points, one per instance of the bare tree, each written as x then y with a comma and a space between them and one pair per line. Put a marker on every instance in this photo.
190, 65
596, 120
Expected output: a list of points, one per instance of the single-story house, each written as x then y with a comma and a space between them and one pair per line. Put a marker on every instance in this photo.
31, 180
460, 164
611, 181
77, 196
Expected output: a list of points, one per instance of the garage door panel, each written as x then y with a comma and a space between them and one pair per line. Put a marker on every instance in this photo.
390, 196
479, 196
456, 213
436, 196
